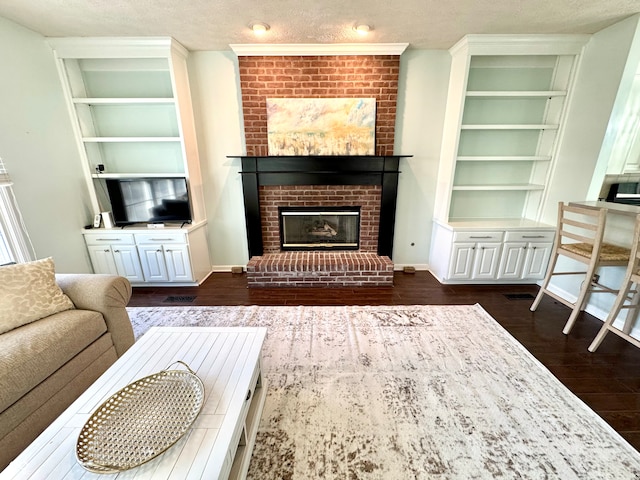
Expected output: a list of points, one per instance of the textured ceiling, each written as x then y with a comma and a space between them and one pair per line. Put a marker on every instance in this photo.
214, 24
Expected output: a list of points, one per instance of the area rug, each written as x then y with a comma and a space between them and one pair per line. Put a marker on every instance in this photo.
409, 392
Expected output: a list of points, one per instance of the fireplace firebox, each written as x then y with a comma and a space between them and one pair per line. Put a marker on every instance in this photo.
319, 228
260, 172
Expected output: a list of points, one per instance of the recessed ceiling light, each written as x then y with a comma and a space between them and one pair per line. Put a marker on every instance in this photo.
362, 29
259, 28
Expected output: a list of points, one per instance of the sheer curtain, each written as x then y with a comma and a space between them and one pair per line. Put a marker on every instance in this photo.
15, 244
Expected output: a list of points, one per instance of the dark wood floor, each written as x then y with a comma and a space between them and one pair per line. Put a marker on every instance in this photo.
607, 380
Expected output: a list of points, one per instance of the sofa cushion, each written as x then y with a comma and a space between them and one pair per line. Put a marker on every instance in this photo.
28, 292
31, 353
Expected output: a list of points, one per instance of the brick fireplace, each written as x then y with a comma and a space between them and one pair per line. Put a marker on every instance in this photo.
366, 182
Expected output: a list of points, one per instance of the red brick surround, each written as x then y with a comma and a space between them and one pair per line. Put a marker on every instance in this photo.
343, 76
320, 269
367, 197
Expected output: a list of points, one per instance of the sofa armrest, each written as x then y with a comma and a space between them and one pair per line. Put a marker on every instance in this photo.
107, 294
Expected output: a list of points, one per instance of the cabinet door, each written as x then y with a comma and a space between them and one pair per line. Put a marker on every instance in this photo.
486, 261
537, 260
178, 265
128, 263
153, 263
102, 259
512, 260
461, 261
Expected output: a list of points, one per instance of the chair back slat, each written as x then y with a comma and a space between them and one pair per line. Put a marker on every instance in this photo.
579, 238
581, 224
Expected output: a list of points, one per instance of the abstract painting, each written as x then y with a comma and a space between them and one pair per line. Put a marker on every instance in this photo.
321, 126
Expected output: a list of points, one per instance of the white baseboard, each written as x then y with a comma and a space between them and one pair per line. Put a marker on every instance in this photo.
226, 268
398, 267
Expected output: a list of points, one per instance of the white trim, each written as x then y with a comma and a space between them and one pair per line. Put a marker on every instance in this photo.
315, 49
536, 44
115, 47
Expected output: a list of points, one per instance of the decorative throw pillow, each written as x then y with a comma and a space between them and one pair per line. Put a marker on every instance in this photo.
28, 292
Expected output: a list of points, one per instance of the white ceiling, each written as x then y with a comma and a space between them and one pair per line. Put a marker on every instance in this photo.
214, 24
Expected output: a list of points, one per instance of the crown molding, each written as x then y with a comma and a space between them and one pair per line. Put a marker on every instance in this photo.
508, 44
314, 49
115, 47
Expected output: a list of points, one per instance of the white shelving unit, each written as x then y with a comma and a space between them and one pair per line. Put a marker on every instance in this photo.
505, 112
130, 105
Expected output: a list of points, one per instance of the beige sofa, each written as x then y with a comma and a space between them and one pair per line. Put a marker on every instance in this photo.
45, 365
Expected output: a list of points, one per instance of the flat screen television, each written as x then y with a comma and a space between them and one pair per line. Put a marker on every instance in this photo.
149, 200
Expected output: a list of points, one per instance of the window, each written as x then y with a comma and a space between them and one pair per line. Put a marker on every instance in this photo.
15, 245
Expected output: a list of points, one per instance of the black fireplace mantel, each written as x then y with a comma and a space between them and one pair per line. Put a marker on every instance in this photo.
320, 170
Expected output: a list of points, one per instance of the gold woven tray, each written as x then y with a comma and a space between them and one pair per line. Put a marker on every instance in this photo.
141, 421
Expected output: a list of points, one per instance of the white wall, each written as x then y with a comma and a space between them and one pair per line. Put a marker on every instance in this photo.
596, 86
37, 146
215, 92
422, 96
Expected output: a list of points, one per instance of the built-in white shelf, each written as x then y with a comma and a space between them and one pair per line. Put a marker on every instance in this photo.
129, 139
515, 94
123, 101
138, 175
504, 158
130, 103
489, 188
538, 126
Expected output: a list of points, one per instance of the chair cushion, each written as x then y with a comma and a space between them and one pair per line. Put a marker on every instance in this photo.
608, 252
28, 292
31, 353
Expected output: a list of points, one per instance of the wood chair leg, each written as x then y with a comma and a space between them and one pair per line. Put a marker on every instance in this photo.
613, 314
632, 312
583, 295
545, 283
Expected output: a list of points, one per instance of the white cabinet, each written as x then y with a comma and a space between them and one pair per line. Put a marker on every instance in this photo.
525, 255
169, 256
475, 255
505, 111
508, 253
165, 263
115, 254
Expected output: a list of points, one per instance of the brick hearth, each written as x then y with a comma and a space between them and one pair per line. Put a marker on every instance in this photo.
320, 269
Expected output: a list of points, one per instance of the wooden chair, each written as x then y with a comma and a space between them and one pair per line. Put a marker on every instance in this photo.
628, 298
579, 236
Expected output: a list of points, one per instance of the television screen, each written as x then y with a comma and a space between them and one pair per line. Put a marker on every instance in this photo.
149, 200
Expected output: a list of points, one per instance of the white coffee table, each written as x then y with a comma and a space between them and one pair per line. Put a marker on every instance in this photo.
221, 440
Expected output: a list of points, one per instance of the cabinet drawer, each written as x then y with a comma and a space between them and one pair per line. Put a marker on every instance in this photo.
529, 236
109, 238
161, 237
477, 236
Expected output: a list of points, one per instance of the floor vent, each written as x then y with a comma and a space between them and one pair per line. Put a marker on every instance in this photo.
519, 296
180, 299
